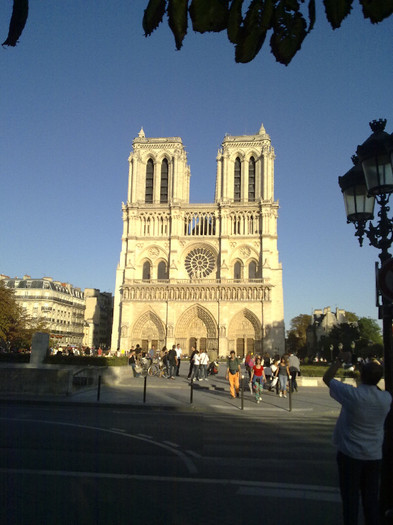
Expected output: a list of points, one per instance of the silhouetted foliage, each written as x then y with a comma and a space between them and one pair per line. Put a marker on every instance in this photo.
246, 22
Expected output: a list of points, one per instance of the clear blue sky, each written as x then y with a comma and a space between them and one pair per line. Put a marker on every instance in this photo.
84, 79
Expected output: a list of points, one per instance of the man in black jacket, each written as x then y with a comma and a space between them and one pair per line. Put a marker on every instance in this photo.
172, 359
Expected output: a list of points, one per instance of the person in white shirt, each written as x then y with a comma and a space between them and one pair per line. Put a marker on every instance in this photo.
178, 355
195, 368
203, 362
358, 437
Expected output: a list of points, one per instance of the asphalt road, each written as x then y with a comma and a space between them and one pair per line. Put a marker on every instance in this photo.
94, 465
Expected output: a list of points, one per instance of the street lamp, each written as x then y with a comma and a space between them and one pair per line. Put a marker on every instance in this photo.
370, 180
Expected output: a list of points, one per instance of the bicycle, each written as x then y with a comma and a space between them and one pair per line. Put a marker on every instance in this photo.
156, 369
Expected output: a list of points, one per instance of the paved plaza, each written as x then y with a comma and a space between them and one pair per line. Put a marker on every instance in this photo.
168, 417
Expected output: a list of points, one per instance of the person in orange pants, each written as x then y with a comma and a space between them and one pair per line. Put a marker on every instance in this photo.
233, 373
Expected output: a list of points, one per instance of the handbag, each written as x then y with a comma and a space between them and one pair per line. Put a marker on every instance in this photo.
274, 382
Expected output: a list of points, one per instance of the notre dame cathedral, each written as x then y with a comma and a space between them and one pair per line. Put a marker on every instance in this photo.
204, 275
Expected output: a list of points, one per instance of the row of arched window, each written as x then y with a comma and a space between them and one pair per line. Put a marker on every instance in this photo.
238, 180
243, 223
200, 224
150, 177
238, 271
162, 271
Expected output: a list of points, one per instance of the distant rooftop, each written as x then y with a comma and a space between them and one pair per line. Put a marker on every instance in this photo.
44, 283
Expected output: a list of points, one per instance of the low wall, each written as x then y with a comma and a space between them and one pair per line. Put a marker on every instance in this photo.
112, 375
36, 381
51, 380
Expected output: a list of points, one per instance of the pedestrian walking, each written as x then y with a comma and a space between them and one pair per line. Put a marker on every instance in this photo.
233, 374
283, 374
193, 352
172, 361
358, 437
165, 361
258, 379
132, 361
195, 369
294, 369
203, 362
178, 356
249, 363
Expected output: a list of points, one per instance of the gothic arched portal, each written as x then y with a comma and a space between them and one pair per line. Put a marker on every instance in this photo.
197, 325
148, 328
245, 333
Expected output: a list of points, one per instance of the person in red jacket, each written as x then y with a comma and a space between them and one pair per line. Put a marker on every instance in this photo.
258, 379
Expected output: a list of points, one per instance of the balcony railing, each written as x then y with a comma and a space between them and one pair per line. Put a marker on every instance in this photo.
202, 282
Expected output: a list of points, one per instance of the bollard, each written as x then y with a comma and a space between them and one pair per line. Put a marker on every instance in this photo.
242, 393
191, 392
99, 388
290, 393
144, 389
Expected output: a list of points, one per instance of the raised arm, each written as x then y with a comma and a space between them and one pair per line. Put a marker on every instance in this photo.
343, 357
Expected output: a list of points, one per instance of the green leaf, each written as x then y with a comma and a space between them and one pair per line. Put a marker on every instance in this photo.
177, 19
235, 20
253, 33
153, 15
290, 29
377, 10
209, 15
336, 11
20, 11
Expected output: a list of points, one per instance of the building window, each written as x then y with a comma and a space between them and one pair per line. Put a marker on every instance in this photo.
237, 181
199, 263
164, 182
252, 270
237, 271
161, 271
146, 271
149, 182
251, 180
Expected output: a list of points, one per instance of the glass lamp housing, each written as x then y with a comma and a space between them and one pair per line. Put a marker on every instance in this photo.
376, 160
359, 206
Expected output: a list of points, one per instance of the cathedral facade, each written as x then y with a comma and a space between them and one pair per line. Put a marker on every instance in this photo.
204, 275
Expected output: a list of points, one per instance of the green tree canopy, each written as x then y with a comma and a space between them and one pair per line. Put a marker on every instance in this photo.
296, 336
246, 22
361, 335
10, 316
16, 328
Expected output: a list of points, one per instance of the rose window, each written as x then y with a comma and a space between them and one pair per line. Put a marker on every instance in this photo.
199, 263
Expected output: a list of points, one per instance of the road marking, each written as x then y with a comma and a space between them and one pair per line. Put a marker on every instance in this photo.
244, 487
118, 429
292, 493
262, 408
175, 445
145, 436
193, 454
192, 469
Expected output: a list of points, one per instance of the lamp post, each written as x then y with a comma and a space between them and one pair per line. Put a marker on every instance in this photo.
370, 180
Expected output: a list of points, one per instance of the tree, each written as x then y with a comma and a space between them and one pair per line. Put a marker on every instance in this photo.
16, 327
370, 338
246, 23
11, 317
344, 333
360, 335
296, 336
